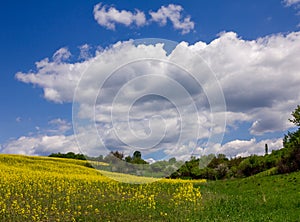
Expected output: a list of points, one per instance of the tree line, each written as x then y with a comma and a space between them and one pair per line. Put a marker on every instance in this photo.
285, 160
212, 167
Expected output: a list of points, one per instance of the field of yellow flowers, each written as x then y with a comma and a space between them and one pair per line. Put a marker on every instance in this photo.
51, 189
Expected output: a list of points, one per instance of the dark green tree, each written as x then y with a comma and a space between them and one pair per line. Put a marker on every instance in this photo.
128, 159
292, 140
290, 162
136, 158
296, 116
137, 155
172, 160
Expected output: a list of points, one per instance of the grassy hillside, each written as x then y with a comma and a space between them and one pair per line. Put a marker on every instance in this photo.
53, 189
256, 198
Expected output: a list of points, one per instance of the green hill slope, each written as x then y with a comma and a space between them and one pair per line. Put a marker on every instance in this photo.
256, 198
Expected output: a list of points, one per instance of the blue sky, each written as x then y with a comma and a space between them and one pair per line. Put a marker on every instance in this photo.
33, 30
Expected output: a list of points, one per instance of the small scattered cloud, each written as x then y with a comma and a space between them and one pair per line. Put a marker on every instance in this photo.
85, 52
291, 2
59, 126
295, 4
18, 119
109, 16
61, 55
174, 14
269, 19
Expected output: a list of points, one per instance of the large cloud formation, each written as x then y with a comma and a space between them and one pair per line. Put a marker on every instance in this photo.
259, 78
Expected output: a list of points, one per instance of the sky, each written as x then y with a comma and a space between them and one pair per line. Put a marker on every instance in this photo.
169, 78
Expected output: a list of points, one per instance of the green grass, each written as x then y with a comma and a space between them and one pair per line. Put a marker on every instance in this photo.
265, 198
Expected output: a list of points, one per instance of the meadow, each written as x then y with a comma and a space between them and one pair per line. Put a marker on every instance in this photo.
53, 189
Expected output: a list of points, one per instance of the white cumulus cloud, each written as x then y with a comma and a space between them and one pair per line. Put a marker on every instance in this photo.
85, 52
291, 2
174, 14
260, 80
40, 145
249, 147
108, 17
61, 55
59, 126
